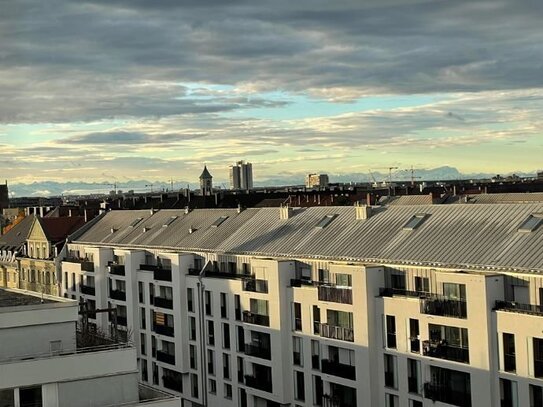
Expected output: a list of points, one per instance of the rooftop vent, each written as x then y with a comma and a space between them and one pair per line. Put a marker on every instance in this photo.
145, 229
187, 210
362, 211
192, 229
415, 221
113, 230
326, 221
532, 223
285, 212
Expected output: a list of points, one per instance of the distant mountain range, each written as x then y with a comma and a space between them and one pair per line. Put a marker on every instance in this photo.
53, 188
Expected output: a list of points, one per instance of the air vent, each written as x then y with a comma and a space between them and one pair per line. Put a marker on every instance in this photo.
135, 222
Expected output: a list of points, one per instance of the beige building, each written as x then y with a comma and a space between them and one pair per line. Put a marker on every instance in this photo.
432, 305
316, 180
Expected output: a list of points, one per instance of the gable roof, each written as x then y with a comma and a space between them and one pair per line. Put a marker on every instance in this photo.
205, 173
17, 235
460, 236
57, 229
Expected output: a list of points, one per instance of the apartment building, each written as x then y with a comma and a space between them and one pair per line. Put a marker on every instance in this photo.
316, 180
432, 305
42, 362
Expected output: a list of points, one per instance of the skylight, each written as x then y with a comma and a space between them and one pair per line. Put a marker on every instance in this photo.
135, 222
326, 221
415, 221
532, 223
218, 222
169, 221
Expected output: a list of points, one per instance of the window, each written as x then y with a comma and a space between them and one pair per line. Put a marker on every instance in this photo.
194, 385
297, 354
192, 357
241, 339
315, 354
143, 347
141, 292
390, 371
144, 374
297, 316
226, 336
536, 396
259, 307
415, 221
391, 331
413, 374
532, 223
224, 306
508, 393
454, 291
210, 333
210, 362
30, 396
316, 320
7, 398
226, 365
207, 302
237, 305
391, 400
422, 284
538, 357
299, 386
340, 318
509, 361
190, 300
344, 280
228, 391
192, 328
326, 221
218, 222
414, 335
212, 386
142, 318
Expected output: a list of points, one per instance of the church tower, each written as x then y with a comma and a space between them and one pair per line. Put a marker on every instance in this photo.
206, 182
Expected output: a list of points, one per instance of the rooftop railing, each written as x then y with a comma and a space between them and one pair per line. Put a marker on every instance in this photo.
512, 306
337, 332
441, 350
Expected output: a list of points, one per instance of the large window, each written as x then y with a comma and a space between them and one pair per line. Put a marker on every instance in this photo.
7, 398
538, 357
340, 318
454, 291
30, 396
509, 361
259, 307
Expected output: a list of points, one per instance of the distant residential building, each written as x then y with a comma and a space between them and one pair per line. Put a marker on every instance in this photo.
241, 175
206, 182
4, 196
540, 176
316, 180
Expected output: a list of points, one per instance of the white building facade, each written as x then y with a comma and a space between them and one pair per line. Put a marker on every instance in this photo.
333, 307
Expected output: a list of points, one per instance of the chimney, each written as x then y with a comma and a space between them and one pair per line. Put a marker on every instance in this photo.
187, 210
362, 211
239, 208
285, 212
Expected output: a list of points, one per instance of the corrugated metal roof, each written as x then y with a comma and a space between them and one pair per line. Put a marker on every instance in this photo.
452, 235
513, 197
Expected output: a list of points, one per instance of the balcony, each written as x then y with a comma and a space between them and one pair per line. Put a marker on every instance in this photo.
443, 306
163, 302
257, 319
121, 320
116, 269
87, 266
255, 285
258, 383
165, 357
87, 289
223, 274
164, 330
162, 274
173, 382
337, 332
338, 369
444, 394
117, 295
257, 351
440, 350
520, 308
332, 293
301, 283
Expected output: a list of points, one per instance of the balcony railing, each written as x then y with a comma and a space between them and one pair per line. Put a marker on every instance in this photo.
337, 332
162, 274
164, 330
258, 383
116, 269
443, 306
87, 289
335, 294
338, 369
87, 266
122, 321
441, 350
438, 392
165, 357
334, 401
257, 351
300, 282
194, 272
117, 295
255, 285
256, 319
224, 274
173, 382
163, 302
391, 292
520, 308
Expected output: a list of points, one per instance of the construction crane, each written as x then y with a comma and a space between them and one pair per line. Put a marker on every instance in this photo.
413, 178
375, 183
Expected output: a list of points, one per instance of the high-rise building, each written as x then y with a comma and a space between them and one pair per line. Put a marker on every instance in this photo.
241, 175
339, 306
316, 180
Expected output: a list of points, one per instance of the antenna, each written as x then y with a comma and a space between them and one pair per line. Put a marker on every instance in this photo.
390, 178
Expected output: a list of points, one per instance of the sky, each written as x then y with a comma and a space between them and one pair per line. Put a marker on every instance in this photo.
113, 90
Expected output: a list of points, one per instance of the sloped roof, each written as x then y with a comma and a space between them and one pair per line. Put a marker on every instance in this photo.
522, 197
462, 236
57, 229
205, 173
16, 237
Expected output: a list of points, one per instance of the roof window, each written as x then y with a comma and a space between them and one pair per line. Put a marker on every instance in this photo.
218, 222
532, 223
169, 221
326, 221
415, 221
135, 222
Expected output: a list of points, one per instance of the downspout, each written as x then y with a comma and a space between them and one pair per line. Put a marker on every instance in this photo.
201, 287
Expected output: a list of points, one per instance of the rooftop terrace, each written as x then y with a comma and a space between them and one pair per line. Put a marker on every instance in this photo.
14, 299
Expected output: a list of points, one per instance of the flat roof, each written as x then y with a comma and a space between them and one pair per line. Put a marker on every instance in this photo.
14, 299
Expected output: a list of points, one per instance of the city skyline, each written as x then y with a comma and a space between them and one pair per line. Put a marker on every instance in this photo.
124, 90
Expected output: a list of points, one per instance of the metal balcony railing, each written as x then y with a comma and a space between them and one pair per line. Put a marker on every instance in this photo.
116, 269
257, 351
162, 274
255, 285
441, 350
332, 293
520, 308
337, 332
443, 306
87, 289
259, 383
165, 357
256, 319
173, 382
443, 393
338, 369
164, 330
87, 266
163, 302
117, 295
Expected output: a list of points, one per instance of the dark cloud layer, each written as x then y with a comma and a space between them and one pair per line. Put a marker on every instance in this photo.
68, 60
